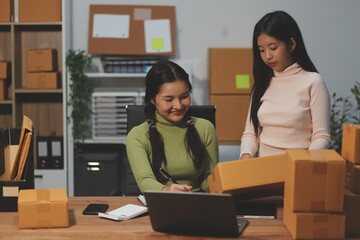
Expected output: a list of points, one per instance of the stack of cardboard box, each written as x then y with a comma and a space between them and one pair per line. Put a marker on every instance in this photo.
314, 194
4, 76
42, 69
351, 152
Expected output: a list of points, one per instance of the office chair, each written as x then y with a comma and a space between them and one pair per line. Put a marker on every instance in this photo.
136, 116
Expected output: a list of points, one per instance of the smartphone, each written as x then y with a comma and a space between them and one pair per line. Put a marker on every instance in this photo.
95, 208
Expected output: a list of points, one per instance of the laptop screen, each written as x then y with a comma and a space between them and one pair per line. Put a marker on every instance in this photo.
191, 213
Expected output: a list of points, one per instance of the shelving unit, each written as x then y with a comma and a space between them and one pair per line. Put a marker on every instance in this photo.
45, 107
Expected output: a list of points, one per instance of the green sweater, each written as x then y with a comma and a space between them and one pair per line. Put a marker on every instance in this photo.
179, 164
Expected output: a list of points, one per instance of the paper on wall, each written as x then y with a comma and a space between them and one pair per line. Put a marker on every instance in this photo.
111, 26
157, 36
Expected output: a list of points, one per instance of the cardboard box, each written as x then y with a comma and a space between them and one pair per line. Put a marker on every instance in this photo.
43, 208
352, 180
3, 89
4, 70
315, 180
249, 178
44, 80
9, 189
226, 116
40, 11
314, 225
350, 143
352, 213
6, 10
41, 60
231, 70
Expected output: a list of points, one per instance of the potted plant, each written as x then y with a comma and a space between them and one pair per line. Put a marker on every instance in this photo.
79, 96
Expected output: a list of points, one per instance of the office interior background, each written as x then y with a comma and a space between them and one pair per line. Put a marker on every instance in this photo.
329, 28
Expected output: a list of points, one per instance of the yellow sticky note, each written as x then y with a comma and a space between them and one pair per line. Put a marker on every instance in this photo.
242, 81
157, 44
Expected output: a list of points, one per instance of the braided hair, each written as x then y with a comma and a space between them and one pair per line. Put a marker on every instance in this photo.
160, 73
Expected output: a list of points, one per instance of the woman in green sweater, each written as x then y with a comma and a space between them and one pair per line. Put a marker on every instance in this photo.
185, 147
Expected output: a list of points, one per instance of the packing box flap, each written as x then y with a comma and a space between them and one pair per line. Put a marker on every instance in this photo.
263, 174
315, 180
43, 208
42, 196
350, 143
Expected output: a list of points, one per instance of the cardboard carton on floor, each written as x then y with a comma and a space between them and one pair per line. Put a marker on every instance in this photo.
44, 208
352, 213
314, 225
315, 180
350, 143
249, 178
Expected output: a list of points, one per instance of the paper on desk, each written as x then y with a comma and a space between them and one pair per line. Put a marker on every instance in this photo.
124, 213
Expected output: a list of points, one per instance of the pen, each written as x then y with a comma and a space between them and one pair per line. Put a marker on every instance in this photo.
167, 176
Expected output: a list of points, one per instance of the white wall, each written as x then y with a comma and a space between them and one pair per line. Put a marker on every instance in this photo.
330, 29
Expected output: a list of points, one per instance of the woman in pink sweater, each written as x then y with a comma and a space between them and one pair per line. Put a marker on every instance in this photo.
290, 105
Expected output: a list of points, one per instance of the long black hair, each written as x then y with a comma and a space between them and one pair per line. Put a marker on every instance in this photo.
160, 73
283, 27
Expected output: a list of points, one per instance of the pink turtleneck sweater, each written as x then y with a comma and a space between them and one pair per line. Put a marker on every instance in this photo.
295, 113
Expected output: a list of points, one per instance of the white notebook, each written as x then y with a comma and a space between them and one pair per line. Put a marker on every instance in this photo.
124, 213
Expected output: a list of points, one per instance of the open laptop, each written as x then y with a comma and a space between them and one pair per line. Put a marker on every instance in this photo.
202, 214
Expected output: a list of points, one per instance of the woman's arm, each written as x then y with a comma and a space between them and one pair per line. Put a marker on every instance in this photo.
138, 152
211, 155
249, 142
320, 113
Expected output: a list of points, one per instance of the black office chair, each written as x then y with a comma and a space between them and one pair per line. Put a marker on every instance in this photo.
136, 116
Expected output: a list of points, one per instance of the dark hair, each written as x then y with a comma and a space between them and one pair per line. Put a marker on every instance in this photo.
160, 73
283, 27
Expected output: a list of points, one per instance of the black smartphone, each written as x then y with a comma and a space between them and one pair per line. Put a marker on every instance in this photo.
95, 208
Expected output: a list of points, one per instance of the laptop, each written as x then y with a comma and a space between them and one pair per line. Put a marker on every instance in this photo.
201, 214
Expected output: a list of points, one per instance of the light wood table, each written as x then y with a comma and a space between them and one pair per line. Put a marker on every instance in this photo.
94, 227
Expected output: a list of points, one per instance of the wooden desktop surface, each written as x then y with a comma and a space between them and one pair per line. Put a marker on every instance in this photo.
94, 227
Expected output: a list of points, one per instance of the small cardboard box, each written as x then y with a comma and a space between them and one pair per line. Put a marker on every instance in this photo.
3, 89
41, 60
315, 180
4, 70
350, 143
43, 208
249, 178
40, 11
9, 189
352, 180
352, 213
314, 225
6, 10
44, 80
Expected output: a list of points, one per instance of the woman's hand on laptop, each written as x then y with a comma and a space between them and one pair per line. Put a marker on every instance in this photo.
177, 188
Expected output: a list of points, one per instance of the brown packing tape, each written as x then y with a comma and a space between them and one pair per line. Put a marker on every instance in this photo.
321, 233
319, 168
43, 195
317, 204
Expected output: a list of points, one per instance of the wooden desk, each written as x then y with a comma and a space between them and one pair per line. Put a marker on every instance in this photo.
94, 227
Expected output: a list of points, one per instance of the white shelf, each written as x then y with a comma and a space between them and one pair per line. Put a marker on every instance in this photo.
104, 140
115, 75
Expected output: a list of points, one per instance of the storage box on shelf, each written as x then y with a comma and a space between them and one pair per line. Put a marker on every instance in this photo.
28, 31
